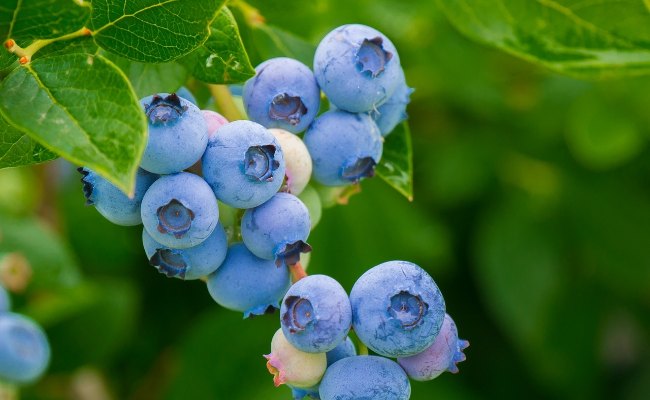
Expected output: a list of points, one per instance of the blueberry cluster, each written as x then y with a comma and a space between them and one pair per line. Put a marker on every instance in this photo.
24, 349
241, 218
358, 69
395, 309
242, 168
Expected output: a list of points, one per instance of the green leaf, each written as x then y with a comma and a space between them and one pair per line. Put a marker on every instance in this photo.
84, 44
8, 62
26, 20
50, 261
148, 79
271, 41
222, 58
588, 39
396, 165
17, 148
152, 31
81, 107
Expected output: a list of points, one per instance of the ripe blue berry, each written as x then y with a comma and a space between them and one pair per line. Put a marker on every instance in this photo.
297, 160
24, 349
243, 164
282, 94
191, 263
315, 314
393, 111
5, 301
277, 230
365, 377
247, 283
110, 201
397, 309
443, 355
178, 134
344, 349
180, 210
294, 367
344, 147
357, 67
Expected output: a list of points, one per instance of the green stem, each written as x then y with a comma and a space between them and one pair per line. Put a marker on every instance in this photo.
225, 103
237, 225
363, 349
252, 15
26, 54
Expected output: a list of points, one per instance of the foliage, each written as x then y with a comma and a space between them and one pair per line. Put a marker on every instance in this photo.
530, 192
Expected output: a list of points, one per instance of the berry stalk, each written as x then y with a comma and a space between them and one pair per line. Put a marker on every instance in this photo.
25, 54
363, 349
297, 272
224, 101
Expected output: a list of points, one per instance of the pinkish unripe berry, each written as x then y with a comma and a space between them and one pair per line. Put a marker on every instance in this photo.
292, 366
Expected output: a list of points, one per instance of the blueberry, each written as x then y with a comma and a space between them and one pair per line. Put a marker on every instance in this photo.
180, 210
191, 263
185, 93
282, 94
294, 367
247, 283
214, 121
316, 314
297, 160
441, 356
365, 377
397, 309
344, 147
277, 230
24, 349
304, 393
5, 300
344, 349
393, 111
110, 201
357, 67
178, 134
243, 164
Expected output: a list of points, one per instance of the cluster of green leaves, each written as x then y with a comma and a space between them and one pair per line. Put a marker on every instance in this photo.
78, 96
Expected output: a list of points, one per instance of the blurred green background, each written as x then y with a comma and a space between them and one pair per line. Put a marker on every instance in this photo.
531, 212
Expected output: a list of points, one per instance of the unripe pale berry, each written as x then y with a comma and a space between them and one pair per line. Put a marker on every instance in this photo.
292, 366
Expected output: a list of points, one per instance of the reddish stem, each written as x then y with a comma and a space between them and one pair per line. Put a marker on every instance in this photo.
297, 272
